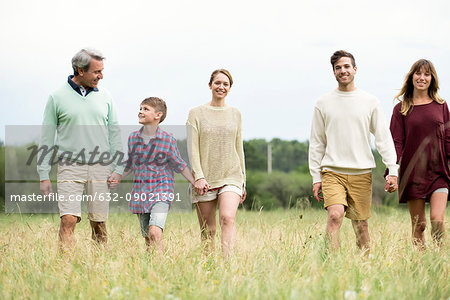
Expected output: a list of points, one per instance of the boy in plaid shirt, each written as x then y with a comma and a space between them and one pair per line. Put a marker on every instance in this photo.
153, 156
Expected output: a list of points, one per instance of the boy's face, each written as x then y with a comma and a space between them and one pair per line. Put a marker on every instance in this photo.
148, 116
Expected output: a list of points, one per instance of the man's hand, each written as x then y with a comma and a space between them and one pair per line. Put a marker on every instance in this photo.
201, 186
46, 187
317, 190
244, 195
114, 180
391, 184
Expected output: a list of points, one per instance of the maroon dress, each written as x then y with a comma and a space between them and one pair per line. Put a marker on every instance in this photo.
422, 143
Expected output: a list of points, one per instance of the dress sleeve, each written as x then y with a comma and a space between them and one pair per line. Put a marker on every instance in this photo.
447, 130
193, 146
397, 128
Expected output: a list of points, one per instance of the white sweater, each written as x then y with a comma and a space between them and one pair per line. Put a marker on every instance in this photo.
340, 134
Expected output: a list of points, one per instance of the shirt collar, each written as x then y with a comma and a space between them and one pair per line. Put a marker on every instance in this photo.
76, 87
158, 133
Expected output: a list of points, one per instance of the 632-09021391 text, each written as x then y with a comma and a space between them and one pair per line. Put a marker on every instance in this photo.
114, 197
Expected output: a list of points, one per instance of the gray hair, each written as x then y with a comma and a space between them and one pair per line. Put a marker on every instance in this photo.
83, 59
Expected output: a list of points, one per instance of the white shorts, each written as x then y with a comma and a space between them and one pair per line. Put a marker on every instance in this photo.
77, 183
213, 195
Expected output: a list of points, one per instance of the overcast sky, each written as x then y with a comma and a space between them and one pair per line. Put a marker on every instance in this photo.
277, 51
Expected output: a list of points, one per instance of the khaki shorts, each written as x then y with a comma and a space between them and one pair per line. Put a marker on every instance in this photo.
352, 191
213, 195
79, 183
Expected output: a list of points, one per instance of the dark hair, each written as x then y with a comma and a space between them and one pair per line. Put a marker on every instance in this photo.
407, 91
158, 104
224, 72
339, 54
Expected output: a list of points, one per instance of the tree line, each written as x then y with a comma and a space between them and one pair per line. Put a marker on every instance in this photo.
288, 185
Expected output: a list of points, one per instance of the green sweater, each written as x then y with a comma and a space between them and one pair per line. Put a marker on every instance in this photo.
86, 129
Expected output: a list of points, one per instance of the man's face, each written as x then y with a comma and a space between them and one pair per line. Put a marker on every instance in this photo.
344, 71
91, 77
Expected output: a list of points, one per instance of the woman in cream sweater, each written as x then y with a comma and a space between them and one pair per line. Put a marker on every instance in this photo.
216, 155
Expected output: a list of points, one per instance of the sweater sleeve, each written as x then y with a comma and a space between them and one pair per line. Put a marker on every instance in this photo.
114, 137
397, 128
383, 140
240, 147
317, 145
193, 146
47, 141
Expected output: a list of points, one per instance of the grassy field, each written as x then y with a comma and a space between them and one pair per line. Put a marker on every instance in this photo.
279, 255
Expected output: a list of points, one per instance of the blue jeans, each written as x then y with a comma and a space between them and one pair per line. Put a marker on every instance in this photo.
157, 217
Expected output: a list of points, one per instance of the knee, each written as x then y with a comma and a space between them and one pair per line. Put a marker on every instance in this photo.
437, 219
68, 222
227, 220
335, 216
420, 226
155, 233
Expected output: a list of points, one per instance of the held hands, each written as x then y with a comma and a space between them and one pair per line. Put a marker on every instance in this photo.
201, 186
317, 190
114, 180
391, 184
46, 187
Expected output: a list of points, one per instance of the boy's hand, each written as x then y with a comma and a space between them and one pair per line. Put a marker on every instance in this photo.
46, 187
317, 190
113, 180
391, 184
201, 186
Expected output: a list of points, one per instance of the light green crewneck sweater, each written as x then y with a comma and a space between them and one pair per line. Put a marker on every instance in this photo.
81, 124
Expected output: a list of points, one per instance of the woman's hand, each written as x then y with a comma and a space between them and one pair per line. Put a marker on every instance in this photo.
201, 186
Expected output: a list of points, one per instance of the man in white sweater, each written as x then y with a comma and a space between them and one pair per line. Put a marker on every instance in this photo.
340, 153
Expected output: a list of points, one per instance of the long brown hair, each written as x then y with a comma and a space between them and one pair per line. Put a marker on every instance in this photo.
407, 91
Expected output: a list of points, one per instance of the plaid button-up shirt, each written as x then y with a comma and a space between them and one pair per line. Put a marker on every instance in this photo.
153, 165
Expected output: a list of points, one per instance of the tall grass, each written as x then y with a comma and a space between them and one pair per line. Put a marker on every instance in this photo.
279, 255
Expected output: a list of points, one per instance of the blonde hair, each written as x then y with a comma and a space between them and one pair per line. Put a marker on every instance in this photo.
407, 91
158, 104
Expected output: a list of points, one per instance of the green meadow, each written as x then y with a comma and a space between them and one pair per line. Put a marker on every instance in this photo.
280, 254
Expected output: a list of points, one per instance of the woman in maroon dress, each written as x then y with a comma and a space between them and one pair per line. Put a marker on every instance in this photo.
421, 134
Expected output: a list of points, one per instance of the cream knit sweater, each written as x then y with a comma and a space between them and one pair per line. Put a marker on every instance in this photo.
340, 134
215, 146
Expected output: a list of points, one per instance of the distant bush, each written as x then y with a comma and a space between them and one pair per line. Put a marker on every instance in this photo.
279, 190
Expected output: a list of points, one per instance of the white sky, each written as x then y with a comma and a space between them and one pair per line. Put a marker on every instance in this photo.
277, 51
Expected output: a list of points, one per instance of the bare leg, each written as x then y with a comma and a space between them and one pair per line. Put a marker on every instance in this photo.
154, 239
99, 233
334, 222
438, 202
206, 212
228, 204
418, 221
66, 230
361, 228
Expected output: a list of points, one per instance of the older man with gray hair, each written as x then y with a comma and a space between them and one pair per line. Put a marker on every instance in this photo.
81, 125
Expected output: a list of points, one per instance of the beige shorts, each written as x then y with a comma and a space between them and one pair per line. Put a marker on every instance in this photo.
79, 183
352, 191
213, 195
